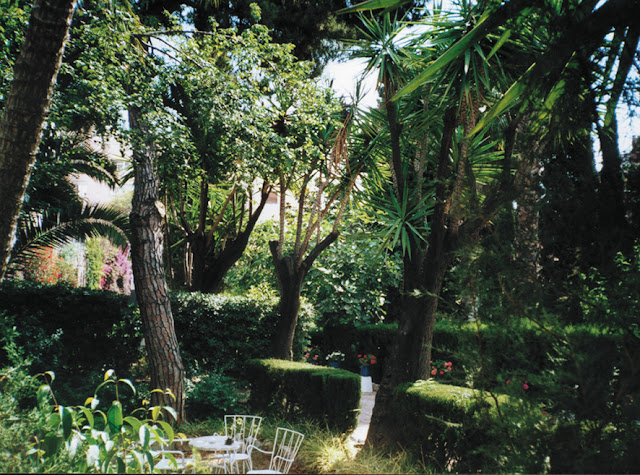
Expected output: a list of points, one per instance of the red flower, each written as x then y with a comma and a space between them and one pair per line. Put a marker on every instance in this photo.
434, 371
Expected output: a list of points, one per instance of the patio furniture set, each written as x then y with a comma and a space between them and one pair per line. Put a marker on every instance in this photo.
232, 452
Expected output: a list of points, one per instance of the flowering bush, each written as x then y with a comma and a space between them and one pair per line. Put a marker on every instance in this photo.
335, 357
311, 355
47, 267
116, 272
440, 367
366, 360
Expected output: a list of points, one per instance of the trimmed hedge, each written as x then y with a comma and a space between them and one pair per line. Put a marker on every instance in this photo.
303, 390
222, 332
446, 424
67, 329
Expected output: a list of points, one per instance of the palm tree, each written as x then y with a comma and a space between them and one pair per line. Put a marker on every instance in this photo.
446, 184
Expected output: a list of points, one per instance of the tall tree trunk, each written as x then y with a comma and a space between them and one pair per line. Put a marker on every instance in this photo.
290, 282
152, 293
27, 105
411, 350
290, 279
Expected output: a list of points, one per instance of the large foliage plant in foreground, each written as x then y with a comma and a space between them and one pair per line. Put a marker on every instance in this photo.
94, 437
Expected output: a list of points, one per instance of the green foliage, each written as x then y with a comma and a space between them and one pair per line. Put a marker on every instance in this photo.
99, 250
222, 332
351, 282
463, 429
301, 390
75, 332
211, 395
96, 437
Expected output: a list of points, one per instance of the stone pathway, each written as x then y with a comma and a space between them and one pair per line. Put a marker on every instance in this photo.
367, 402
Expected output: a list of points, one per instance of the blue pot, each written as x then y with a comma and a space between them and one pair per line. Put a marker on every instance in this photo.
334, 364
365, 371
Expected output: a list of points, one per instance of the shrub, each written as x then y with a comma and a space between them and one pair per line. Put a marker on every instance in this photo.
328, 395
93, 437
77, 333
463, 429
222, 332
211, 395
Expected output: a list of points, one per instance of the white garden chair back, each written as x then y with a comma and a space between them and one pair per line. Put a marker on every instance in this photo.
243, 428
285, 448
173, 461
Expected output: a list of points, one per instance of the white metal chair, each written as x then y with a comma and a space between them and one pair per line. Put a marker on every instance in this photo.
285, 448
243, 428
173, 461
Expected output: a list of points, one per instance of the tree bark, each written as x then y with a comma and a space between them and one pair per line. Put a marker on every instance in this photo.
27, 105
210, 266
290, 278
152, 294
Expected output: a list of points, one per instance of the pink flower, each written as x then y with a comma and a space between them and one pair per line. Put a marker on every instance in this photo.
525, 385
508, 381
434, 371
441, 372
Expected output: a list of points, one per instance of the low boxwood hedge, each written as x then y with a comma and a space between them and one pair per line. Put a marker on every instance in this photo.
445, 424
292, 389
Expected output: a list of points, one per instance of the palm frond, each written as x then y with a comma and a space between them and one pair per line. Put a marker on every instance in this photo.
54, 228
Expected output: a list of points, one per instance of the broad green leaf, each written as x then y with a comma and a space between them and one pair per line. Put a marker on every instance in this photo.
144, 435
52, 443
155, 411
167, 430
171, 411
133, 422
43, 393
52, 375
128, 383
67, 421
114, 416
89, 415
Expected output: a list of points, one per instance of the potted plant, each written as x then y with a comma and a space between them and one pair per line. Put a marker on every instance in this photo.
335, 359
365, 363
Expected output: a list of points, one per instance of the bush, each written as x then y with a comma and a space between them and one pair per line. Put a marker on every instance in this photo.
328, 395
55, 438
211, 395
222, 332
74, 332
465, 430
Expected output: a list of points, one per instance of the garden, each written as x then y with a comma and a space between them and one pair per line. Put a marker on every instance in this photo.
464, 255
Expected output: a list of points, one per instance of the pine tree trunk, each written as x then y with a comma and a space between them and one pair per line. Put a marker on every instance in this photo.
152, 293
27, 105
